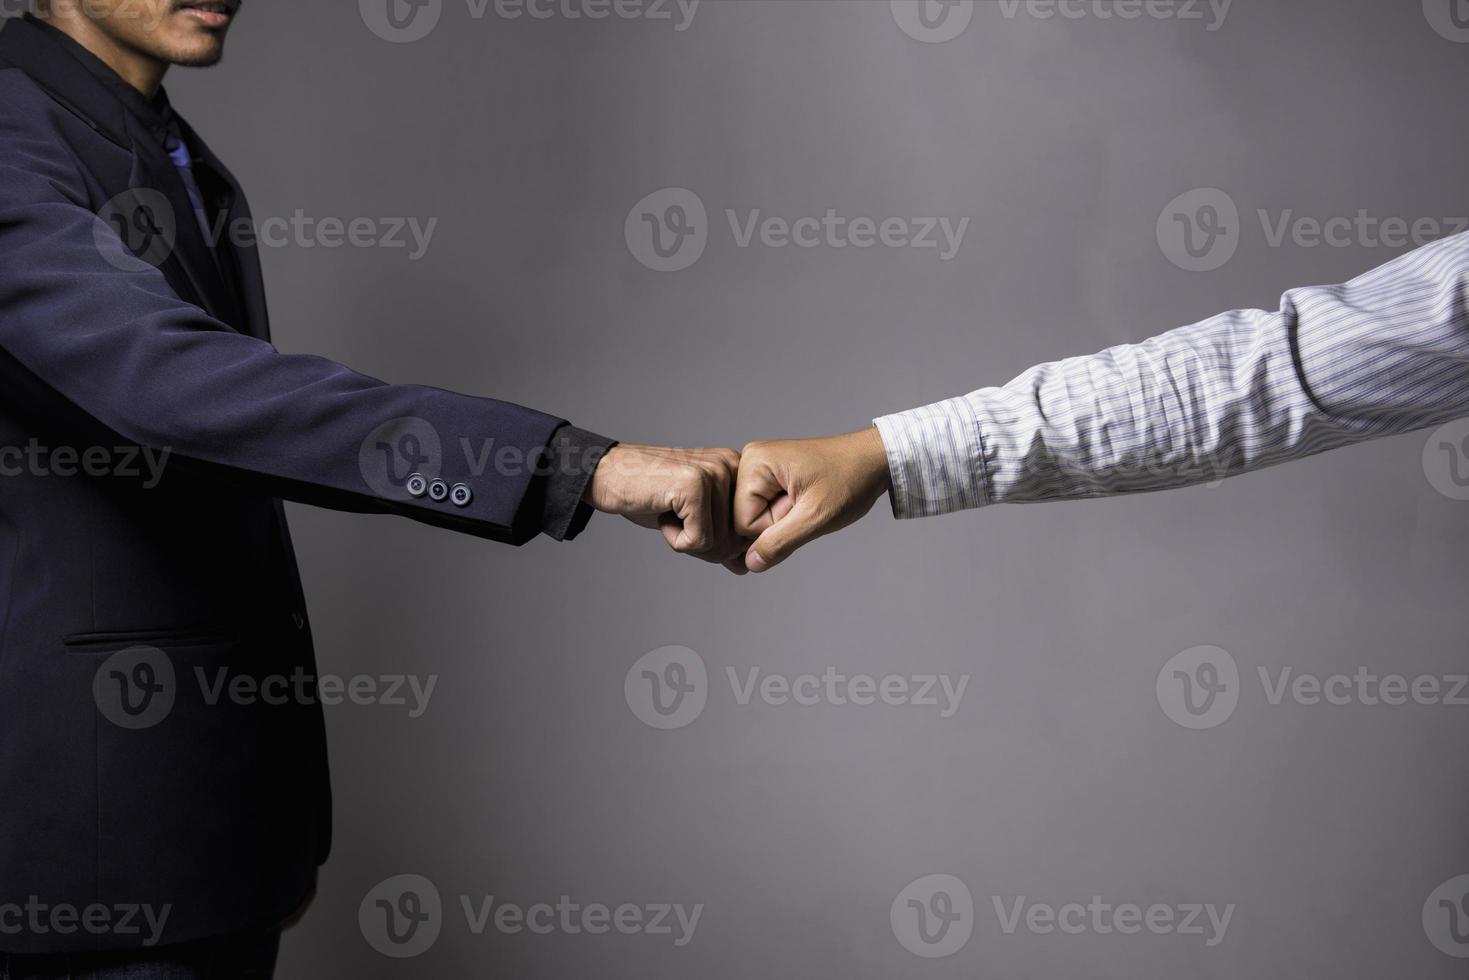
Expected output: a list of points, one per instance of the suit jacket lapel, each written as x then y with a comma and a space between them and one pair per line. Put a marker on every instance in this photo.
192, 259
239, 254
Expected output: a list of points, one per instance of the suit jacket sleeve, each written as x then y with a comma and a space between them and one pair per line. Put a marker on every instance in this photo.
92, 339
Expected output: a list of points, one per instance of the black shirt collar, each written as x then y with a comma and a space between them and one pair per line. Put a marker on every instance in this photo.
156, 114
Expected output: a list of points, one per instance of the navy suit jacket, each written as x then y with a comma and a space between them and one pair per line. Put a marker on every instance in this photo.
218, 813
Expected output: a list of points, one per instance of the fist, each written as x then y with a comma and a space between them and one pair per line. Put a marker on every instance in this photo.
684, 493
790, 493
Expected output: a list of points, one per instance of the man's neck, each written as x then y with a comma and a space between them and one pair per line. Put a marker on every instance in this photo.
137, 69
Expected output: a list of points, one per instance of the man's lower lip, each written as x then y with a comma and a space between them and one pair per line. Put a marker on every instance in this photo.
208, 17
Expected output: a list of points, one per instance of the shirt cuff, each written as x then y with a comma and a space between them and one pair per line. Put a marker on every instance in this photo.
571, 457
936, 459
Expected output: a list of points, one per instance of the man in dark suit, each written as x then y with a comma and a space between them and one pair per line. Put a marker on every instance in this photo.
147, 828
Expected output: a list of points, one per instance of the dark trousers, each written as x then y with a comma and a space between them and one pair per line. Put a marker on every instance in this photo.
248, 956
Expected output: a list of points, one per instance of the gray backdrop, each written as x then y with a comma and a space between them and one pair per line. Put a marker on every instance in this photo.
803, 830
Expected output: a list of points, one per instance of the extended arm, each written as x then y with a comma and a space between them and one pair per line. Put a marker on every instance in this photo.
1385, 353
95, 344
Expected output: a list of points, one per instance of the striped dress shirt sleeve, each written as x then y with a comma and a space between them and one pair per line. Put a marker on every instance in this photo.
1385, 353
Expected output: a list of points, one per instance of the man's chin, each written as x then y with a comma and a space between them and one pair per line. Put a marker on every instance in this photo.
206, 57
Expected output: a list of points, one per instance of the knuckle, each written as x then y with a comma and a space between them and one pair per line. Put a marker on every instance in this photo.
691, 482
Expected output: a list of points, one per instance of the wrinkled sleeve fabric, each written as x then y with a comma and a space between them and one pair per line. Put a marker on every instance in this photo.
1383, 354
87, 331
573, 457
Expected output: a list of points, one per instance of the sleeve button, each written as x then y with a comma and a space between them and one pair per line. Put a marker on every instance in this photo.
438, 491
416, 485
461, 495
